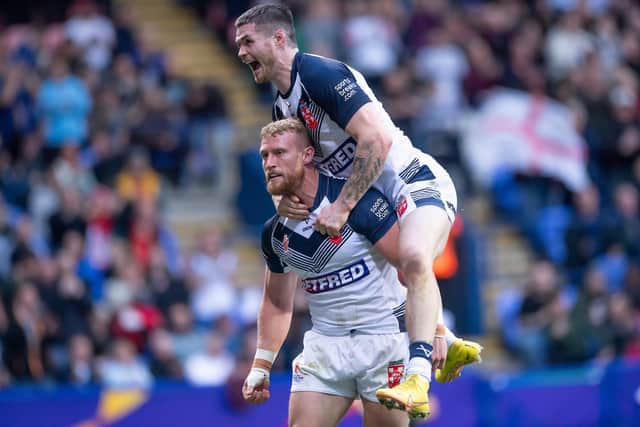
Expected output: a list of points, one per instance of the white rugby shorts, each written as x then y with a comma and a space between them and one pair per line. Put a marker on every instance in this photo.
353, 366
423, 181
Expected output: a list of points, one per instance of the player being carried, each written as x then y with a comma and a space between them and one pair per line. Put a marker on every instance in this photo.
354, 137
358, 341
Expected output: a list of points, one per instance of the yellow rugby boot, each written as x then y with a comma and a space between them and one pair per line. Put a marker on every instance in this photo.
411, 395
459, 354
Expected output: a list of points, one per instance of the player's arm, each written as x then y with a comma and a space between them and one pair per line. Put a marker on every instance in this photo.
274, 317
371, 127
343, 95
274, 320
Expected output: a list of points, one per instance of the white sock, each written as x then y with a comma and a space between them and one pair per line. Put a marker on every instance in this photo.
449, 337
420, 366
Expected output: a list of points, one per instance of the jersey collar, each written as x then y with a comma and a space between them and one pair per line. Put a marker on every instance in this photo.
323, 183
294, 73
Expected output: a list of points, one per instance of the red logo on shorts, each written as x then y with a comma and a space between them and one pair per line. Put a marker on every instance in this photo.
336, 239
285, 243
402, 207
298, 375
395, 371
307, 115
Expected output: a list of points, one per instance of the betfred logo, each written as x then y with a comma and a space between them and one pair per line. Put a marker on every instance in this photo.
395, 372
402, 206
336, 279
340, 159
307, 115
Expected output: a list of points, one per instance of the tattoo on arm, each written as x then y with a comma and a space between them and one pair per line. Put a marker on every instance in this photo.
367, 167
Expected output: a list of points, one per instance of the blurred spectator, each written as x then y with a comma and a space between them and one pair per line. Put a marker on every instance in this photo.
25, 335
626, 228
584, 333
101, 218
566, 45
211, 259
444, 65
585, 234
17, 102
186, 338
15, 181
212, 269
123, 369
164, 363
70, 173
151, 61
403, 96
163, 134
370, 40
484, 70
146, 233
540, 306
624, 327
210, 367
92, 32
138, 181
210, 142
104, 157
64, 103
68, 217
80, 369
73, 306
109, 113
319, 28
632, 284
166, 288
132, 319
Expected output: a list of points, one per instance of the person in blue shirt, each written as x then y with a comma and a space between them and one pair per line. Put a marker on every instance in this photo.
64, 104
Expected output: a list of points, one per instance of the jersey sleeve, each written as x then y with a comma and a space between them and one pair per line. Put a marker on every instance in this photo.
333, 86
373, 216
274, 263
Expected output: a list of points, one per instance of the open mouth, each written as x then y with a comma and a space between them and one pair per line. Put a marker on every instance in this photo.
255, 65
272, 176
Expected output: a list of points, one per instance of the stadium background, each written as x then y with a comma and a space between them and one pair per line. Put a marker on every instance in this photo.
132, 198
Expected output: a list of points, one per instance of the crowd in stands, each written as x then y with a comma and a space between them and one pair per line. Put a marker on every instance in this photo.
94, 128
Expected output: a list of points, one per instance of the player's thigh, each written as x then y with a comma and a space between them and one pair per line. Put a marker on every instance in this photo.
312, 409
376, 415
424, 233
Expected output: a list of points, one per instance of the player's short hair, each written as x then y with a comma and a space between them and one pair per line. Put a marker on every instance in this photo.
280, 127
270, 17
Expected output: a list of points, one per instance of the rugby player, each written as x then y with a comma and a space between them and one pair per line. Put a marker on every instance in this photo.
357, 344
354, 137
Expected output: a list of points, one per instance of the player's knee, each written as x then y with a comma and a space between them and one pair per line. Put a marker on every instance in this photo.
415, 267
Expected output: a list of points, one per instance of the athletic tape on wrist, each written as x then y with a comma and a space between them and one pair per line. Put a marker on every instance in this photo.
264, 359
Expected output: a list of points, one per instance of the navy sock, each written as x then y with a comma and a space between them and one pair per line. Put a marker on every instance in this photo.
420, 349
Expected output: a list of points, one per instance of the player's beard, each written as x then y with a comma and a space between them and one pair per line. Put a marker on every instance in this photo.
287, 183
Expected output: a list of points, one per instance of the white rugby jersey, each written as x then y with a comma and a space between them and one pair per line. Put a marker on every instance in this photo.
350, 287
325, 94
